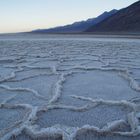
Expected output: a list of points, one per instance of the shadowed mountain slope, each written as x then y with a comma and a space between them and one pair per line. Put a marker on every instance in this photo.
127, 19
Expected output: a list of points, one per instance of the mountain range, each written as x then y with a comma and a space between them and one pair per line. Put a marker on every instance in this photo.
123, 20
77, 27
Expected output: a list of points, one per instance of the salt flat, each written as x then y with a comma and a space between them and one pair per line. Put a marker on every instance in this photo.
69, 87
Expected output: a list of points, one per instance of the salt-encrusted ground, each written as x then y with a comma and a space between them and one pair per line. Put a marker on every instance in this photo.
69, 88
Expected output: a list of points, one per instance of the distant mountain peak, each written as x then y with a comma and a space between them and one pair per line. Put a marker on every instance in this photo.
125, 20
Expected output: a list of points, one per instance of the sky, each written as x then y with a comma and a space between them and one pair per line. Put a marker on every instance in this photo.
27, 15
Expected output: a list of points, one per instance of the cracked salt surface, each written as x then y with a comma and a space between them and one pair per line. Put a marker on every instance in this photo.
107, 85
69, 88
79, 118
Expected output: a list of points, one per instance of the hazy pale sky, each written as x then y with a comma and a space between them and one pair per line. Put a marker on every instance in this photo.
26, 15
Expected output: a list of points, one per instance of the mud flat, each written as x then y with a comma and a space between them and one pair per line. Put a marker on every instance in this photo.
64, 87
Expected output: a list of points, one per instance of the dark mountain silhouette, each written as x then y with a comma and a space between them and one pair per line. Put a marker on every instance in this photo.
125, 20
77, 26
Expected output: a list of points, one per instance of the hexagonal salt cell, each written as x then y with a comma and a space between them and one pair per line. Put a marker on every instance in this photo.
5, 72
8, 118
27, 98
6, 61
41, 84
70, 65
96, 84
31, 72
98, 116
20, 97
74, 62
94, 64
45, 63
4, 94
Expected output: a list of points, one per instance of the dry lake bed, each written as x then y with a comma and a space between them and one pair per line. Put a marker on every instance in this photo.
69, 87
